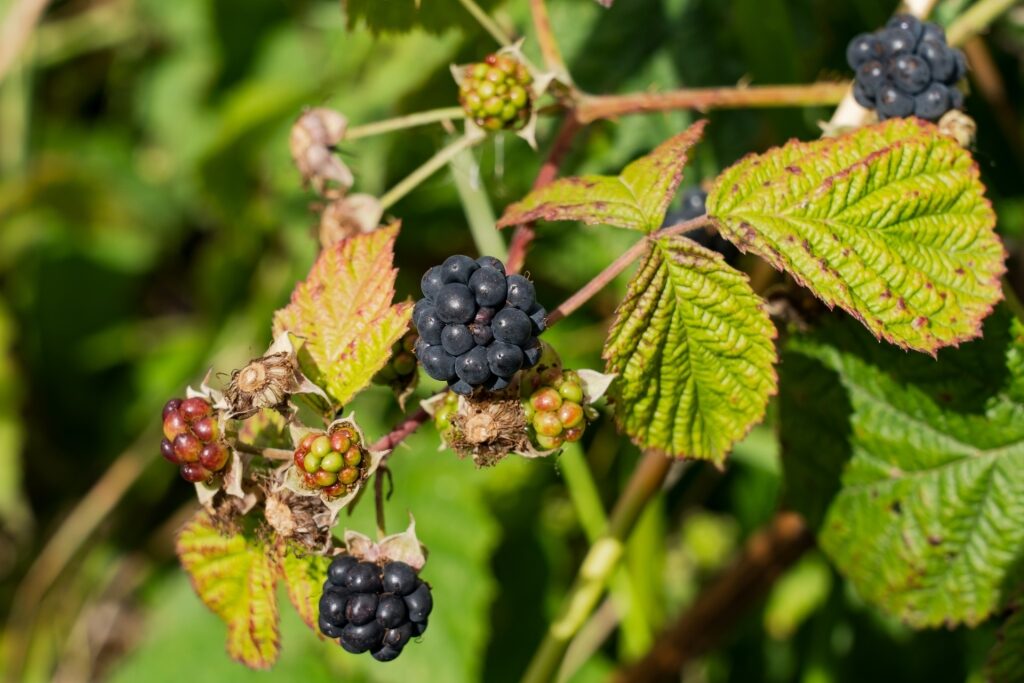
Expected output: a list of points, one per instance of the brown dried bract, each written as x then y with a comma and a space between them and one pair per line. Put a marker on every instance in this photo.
312, 142
489, 429
353, 215
265, 382
298, 518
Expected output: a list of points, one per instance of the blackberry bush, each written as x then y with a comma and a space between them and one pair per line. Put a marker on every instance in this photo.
906, 69
477, 326
375, 608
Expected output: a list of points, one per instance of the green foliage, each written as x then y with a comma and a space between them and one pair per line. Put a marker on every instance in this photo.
925, 522
235, 576
692, 346
343, 313
637, 198
1006, 660
399, 16
888, 222
303, 575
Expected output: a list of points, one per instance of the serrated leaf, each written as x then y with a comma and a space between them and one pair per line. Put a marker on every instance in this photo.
927, 522
1006, 658
693, 349
637, 199
235, 577
344, 315
303, 575
889, 222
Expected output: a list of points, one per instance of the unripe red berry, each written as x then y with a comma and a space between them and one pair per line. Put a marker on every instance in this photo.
206, 429
349, 475
547, 424
325, 478
340, 441
549, 442
213, 456
546, 400
187, 447
571, 414
167, 450
171, 406
174, 424
353, 456
195, 408
194, 472
573, 434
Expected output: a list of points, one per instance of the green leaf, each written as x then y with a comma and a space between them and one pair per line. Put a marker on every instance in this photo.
303, 575
927, 522
693, 349
235, 577
343, 312
1006, 659
637, 199
889, 222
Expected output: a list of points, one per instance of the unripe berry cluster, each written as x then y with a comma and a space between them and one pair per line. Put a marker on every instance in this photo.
374, 609
192, 439
555, 411
477, 326
402, 364
495, 93
906, 69
333, 462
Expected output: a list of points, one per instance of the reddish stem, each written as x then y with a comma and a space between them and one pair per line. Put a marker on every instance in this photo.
403, 429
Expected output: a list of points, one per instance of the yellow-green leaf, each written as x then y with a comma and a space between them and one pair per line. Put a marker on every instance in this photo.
344, 314
889, 222
303, 574
235, 577
693, 349
637, 199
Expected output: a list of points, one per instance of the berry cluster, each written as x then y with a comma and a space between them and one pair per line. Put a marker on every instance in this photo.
907, 68
192, 439
495, 93
694, 201
555, 410
477, 326
372, 608
333, 462
402, 365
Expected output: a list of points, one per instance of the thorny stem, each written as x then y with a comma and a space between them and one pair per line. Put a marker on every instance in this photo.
487, 22
546, 39
429, 167
616, 267
596, 107
402, 122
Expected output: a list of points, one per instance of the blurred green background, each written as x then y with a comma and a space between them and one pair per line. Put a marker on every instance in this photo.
151, 221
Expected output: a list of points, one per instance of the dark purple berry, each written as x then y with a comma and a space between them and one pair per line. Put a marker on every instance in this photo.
171, 406
167, 450
863, 48
386, 653
956, 98
531, 353
489, 286
893, 102
418, 629
329, 629
363, 578
438, 363
512, 326
910, 73
419, 603
339, 568
482, 335
539, 318
362, 638
398, 637
461, 387
896, 41
497, 384
521, 293
455, 304
932, 31
932, 103
871, 76
458, 268
361, 608
332, 607
694, 203
431, 282
472, 367
391, 611
503, 359
961, 65
457, 339
908, 23
491, 262
398, 577
940, 58
429, 327
862, 96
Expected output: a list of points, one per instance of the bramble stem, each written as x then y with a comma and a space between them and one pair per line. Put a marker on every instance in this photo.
546, 40
378, 496
268, 453
616, 267
598, 565
429, 167
976, 19
596, 107
488, 24
402, 122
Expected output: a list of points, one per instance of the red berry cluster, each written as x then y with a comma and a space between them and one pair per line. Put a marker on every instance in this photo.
555, 410
192, 438
333, 462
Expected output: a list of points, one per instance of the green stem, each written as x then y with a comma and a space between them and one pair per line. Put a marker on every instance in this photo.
598, 565
402, 122
976, 19
478, 209
487, 23
429, 167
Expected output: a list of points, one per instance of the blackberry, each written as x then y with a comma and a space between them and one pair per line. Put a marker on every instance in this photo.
477, 326
694, 202
373, 608
401, 367
334, 462
555, 409
905, 69
192, 439
495, 93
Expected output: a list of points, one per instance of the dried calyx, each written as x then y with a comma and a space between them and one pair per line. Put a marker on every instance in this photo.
268, 381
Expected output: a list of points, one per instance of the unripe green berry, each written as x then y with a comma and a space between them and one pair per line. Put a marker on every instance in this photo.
404, 363
549, 442
321, 446
311, 463
325, 478
571, 391
495, 93
546, 400
547, 424
332, 462
353, 456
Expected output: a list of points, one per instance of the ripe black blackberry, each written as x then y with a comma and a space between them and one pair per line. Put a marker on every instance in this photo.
694, 200
477, 326
372, 608
906, 68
